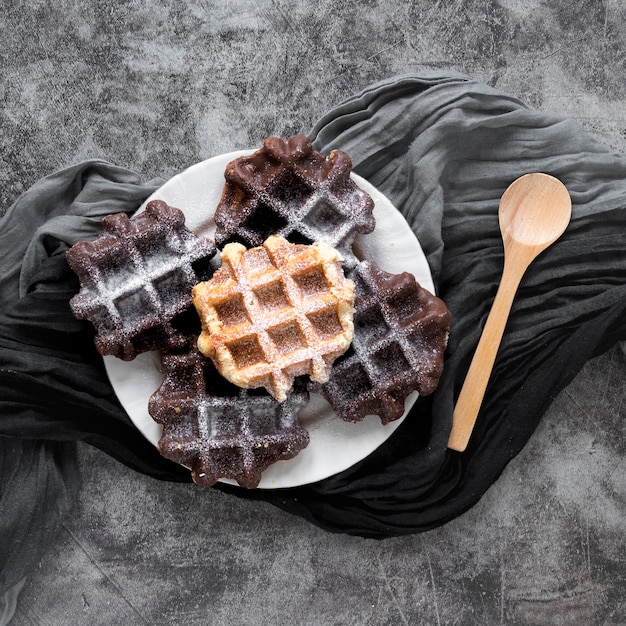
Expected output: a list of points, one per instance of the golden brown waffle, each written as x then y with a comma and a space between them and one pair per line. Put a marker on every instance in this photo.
219, 430
288, 189
274, 312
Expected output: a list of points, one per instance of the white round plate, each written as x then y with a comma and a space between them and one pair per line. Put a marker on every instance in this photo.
335, 445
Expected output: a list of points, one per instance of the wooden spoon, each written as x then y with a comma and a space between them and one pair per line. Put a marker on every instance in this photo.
534, 212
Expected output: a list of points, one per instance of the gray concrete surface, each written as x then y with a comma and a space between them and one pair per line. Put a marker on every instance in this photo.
158, 86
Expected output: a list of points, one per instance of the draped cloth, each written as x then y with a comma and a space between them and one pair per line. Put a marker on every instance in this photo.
443, 148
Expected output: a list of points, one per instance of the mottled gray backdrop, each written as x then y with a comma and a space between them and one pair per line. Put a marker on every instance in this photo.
157, 86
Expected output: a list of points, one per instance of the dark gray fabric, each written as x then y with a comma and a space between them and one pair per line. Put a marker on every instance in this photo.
38, 483
53, 392
443, 148
8, 602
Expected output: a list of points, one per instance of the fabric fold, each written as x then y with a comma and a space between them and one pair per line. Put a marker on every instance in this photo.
8, 603
53, 387
38, 484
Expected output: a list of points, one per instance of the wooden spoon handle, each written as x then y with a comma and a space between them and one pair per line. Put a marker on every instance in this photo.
473, 390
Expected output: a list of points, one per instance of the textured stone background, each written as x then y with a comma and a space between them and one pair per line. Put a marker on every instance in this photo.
157, 86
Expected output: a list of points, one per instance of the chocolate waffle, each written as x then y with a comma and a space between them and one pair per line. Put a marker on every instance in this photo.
136, 279
274, 312
286, 188
219, 430
400, 334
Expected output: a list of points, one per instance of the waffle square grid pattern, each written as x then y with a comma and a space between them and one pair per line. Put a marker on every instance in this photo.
288, 189
220, 430
136, 278
275, 312
400, 334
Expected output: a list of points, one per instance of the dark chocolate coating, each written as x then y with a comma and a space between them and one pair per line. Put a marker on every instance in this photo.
219, 430
400, 335
136, 279
286, 188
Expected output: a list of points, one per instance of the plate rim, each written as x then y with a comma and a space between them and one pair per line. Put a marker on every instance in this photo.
151, 360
